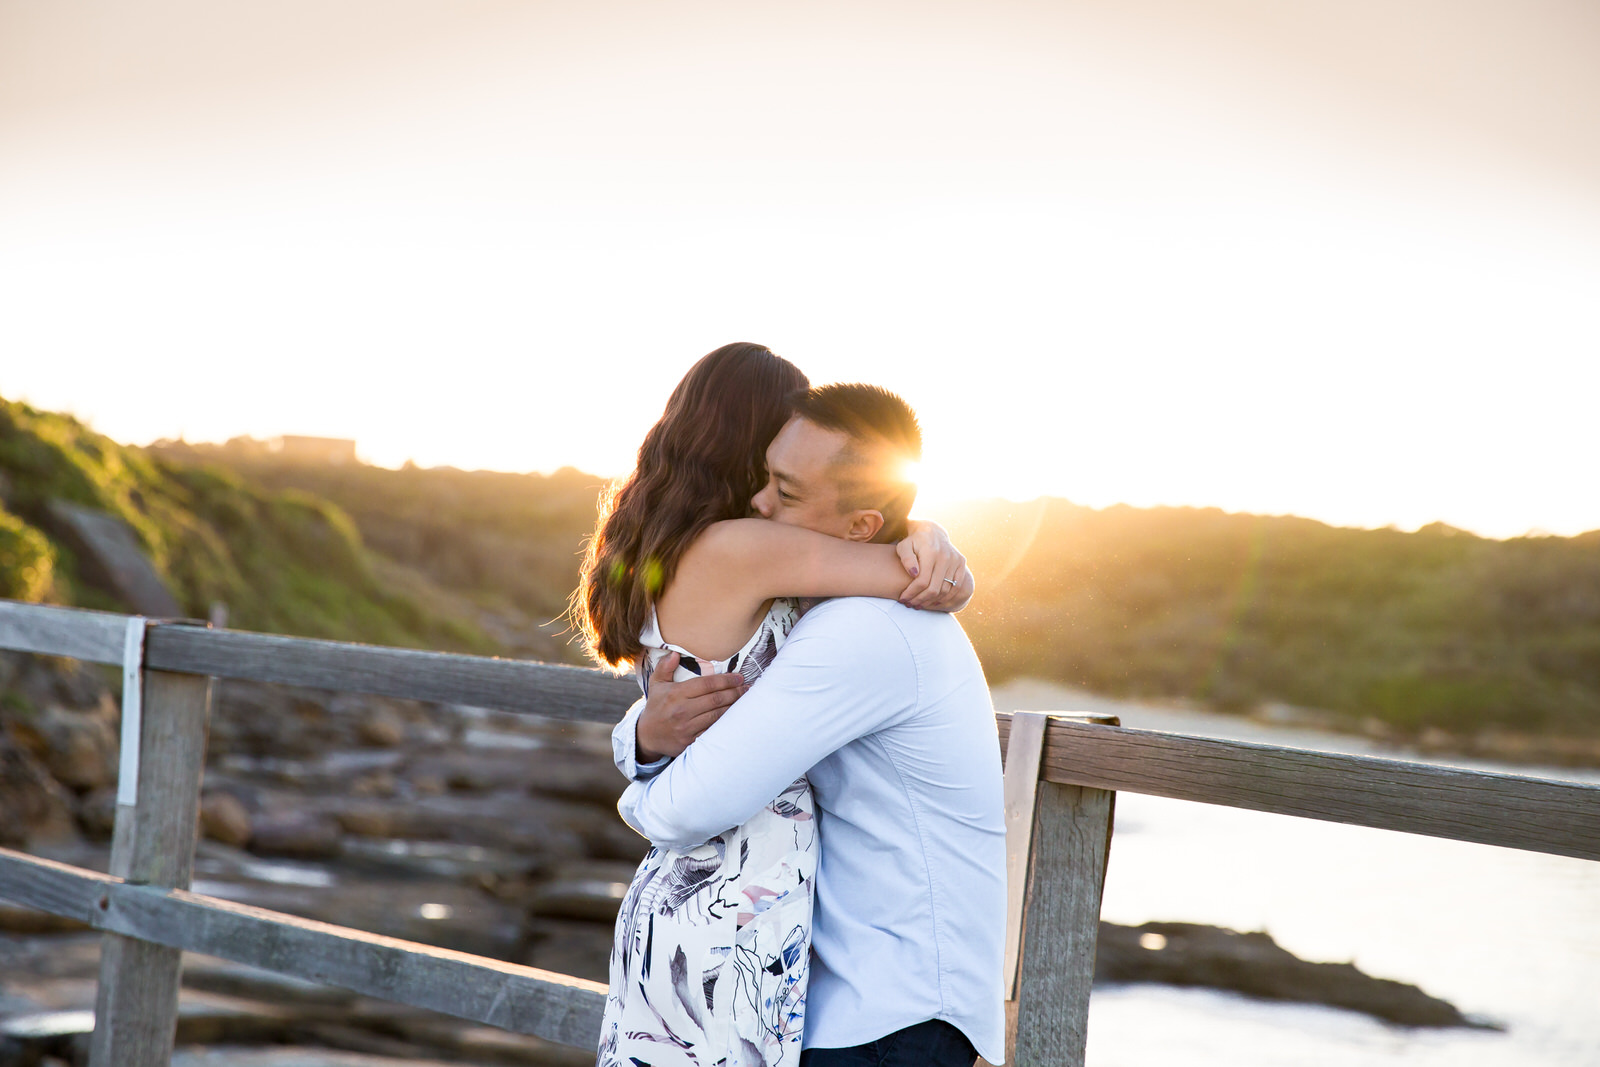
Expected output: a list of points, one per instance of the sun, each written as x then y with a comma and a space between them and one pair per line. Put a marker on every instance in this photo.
951, 480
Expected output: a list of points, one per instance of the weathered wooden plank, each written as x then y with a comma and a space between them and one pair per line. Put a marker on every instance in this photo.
514, 685
136, 1003
94, 636
553, 1006
136, 1018
1003, 723
47, 885
177, 708
1513, 811
1067, 869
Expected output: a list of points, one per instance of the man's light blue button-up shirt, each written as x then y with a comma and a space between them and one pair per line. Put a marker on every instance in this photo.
886, 710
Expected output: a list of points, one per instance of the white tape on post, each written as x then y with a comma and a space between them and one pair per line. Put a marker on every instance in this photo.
132, 711
1024, 750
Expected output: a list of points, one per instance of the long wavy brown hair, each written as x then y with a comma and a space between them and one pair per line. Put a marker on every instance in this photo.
699, 464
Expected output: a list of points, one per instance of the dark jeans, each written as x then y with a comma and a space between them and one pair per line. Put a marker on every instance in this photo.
934, 1043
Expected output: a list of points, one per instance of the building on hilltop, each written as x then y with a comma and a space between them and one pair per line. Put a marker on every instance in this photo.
330, 450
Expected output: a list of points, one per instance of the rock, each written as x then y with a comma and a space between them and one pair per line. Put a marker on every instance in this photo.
467, 771
28, 960
442, 912
202, 1017
487, 1044
97, 813
336, 771
514, 822
223, 817
357, 1040
1434, 739
376, 784
616, 840
290, 1056
36, 807
1188, 954
256, 719
211, 975
110, 557
209, 1018
429, 785
25, 1040
567, 947
592, 900
297, 835
436, 859
558, 771
578, 776
12, 664
41, 681
79, 748
15, 920
382, 728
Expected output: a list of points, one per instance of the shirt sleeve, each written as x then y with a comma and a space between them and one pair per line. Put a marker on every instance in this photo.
625, 747
846, 671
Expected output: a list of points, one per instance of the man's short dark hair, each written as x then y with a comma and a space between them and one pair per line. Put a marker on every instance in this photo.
884, 439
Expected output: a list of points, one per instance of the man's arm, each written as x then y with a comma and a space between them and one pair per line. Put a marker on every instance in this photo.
844, 672
625, 747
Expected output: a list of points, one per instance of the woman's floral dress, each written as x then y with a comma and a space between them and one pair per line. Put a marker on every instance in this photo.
713, 944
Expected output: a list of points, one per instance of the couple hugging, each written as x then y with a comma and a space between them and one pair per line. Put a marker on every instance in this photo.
828, 860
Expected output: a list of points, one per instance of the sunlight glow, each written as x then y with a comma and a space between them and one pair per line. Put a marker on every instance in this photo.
1114, 285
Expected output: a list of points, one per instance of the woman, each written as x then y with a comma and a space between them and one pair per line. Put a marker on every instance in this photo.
711, 952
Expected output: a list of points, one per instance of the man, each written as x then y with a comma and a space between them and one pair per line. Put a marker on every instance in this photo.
885, 709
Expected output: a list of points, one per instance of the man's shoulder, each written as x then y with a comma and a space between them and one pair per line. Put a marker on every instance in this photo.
866, 610
878, 617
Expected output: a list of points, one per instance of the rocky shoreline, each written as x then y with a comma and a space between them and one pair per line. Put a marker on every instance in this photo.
1254, 965
469, 829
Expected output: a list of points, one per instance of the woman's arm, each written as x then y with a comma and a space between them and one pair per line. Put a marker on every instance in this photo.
726, 578
765, 559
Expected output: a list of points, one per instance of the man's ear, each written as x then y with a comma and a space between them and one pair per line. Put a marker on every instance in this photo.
864, 525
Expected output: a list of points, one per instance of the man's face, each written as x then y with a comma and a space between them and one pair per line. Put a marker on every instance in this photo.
801, 489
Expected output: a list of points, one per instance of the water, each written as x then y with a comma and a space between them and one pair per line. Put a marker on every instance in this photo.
1508, 936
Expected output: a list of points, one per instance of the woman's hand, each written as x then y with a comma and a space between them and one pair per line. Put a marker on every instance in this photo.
941, 580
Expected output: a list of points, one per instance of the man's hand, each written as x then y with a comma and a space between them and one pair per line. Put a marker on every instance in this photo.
675, 713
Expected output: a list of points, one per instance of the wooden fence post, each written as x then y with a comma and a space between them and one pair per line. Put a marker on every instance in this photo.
136, 1005
1058, 841
1071, 842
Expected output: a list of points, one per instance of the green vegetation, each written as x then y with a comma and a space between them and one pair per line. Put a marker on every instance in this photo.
27, 561
281, 561
1433, 629
1437, 628
502, 548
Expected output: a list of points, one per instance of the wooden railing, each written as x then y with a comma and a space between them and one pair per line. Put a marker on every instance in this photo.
1062, 774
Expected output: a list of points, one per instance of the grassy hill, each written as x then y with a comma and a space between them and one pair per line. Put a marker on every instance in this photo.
283, 561
1406, 632
1436, 628
500, 548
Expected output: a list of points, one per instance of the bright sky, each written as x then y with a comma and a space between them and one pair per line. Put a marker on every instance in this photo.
1340, 259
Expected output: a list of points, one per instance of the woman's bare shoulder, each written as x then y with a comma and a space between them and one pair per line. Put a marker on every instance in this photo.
735, 541
745, 555
715, 600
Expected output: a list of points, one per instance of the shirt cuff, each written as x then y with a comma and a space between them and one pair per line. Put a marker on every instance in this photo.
625, 748
627, 806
